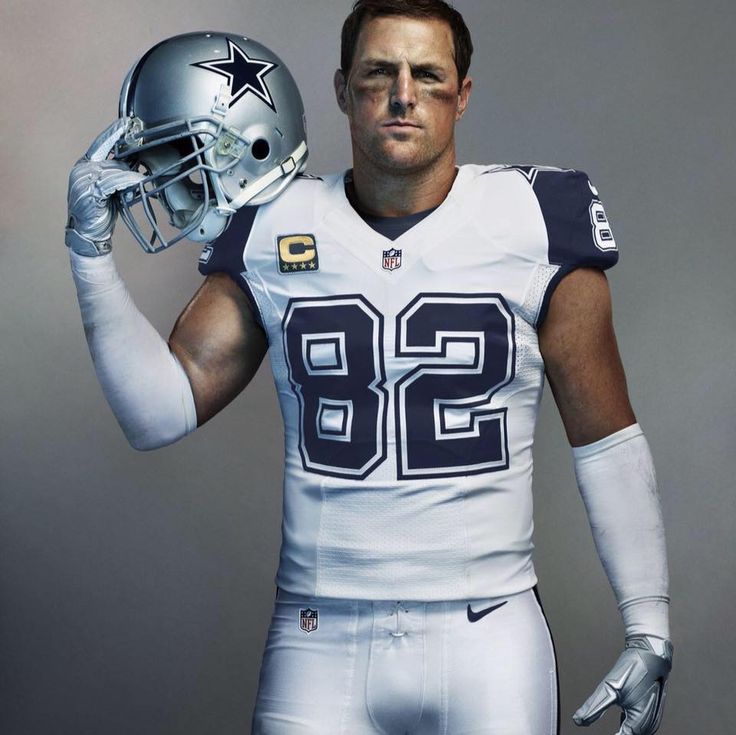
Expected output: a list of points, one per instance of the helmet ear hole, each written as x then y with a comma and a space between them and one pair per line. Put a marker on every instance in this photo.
260, 149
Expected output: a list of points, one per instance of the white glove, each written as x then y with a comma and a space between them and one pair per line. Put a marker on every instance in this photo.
92, 182
637, 683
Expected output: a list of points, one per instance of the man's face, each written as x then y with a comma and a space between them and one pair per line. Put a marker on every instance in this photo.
401, 96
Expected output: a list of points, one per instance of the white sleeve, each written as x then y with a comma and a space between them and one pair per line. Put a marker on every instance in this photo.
144, 383
617, 482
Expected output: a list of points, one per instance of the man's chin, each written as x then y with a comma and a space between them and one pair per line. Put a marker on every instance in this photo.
403, 159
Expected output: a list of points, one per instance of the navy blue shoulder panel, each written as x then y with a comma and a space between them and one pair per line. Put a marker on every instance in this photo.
577, 227
225, 254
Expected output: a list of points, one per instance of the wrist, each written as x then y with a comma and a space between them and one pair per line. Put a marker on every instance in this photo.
648, 616
93, 273
86, 246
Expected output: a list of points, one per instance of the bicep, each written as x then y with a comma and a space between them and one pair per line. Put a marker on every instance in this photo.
581, 358
219, 344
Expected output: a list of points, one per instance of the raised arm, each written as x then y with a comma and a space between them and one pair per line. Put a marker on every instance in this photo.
615, 475
158, 392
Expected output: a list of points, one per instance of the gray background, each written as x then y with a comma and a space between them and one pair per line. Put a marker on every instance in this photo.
135, 589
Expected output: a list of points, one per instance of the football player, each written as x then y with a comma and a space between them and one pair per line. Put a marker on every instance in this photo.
411, 308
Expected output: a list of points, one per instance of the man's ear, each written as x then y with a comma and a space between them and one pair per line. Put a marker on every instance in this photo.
463, 97
341, 90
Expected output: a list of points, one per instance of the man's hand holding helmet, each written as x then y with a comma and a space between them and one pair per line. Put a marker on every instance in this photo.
93, 181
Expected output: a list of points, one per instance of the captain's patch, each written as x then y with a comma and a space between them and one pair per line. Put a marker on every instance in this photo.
297, 253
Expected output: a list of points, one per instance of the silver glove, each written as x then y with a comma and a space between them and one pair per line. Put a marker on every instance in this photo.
92, 182
637, 683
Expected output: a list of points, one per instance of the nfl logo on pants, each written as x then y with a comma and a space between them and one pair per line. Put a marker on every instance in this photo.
308, 620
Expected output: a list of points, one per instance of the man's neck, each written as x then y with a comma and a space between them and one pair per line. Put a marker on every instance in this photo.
386, 194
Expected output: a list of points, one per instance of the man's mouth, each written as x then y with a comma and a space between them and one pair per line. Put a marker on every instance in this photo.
400, 124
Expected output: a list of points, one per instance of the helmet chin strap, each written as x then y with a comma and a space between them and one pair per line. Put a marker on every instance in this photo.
289, 166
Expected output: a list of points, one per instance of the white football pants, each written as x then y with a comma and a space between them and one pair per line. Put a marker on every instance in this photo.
362, 667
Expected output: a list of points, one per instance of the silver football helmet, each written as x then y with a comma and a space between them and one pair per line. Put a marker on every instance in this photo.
214, 121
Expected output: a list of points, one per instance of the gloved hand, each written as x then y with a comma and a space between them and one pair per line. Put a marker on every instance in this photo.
92, 182
637, 683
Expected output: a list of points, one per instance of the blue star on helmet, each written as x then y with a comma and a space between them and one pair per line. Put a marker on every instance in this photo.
242, 73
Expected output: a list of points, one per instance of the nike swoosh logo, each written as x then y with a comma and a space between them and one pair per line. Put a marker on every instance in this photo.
474, 617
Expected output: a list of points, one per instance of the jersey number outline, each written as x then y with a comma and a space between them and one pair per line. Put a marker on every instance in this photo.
602, 235
458, 351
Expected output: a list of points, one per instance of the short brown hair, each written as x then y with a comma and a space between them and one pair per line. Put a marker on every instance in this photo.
434, 9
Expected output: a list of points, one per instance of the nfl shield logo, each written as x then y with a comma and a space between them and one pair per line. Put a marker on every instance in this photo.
391, 259
308, 620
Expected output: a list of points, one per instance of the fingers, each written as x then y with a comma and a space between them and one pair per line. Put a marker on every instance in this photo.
638, 683
643, 716
117, 179
595, 705
105, 141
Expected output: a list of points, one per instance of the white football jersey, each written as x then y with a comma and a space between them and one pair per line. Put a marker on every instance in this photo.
409, 375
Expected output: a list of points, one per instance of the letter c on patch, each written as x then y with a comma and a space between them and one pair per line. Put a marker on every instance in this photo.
296, 248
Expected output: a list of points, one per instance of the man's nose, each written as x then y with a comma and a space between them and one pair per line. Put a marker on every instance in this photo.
403, 92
